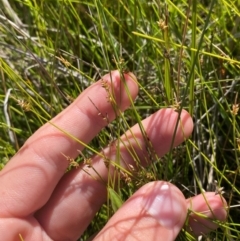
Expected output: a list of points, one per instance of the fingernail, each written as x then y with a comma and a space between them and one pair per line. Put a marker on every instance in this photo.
164, 206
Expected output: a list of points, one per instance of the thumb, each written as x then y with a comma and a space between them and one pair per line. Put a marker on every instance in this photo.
157, 211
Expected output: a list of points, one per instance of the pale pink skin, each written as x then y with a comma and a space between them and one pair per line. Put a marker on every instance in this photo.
41, 202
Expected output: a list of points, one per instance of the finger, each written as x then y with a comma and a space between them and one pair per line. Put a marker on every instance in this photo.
28, 180
83, 193
136, 150
207, 210
157, 211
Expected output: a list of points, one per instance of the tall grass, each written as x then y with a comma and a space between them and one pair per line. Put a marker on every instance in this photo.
185, 54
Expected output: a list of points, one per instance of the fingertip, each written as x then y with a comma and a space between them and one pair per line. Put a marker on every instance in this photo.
158, 209
132, 83
187, 122
125, 87
166, 203
208, 211
184, 124
167, 129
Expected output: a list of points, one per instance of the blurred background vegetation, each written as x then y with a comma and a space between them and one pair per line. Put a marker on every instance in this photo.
185, 54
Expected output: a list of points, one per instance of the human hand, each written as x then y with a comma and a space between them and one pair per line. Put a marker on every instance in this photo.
40, 201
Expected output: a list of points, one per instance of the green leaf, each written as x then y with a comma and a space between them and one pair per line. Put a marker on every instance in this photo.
115, 199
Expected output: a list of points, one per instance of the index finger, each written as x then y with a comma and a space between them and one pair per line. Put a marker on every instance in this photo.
26, 183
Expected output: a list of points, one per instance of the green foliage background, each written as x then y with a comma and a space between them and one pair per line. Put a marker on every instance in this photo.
185, 54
